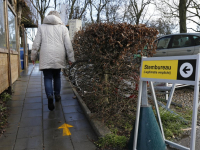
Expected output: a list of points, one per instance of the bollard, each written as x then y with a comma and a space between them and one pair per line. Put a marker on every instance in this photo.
149, 134
146, 130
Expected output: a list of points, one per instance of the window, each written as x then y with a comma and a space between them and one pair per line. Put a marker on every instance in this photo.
196, 40
12, 30
2, 26
163, 43
181, 41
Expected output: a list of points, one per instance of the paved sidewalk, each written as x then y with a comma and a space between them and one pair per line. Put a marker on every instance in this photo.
33, 127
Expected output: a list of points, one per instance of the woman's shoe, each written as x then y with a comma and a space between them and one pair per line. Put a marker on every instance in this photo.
50, 103
57, 98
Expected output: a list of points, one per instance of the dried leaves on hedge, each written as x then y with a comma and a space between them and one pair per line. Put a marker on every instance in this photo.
110, 49
113, 42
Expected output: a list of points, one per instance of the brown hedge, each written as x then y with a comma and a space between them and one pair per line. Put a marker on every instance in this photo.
113, 42
111, 48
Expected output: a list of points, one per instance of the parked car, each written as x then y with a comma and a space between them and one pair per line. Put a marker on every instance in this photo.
178, 44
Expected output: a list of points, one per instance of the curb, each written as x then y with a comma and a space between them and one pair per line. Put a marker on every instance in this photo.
100, 129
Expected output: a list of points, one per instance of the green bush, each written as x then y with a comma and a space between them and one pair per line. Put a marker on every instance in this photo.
112, 140
5, 97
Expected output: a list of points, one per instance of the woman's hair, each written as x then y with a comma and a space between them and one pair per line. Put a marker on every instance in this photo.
55, 13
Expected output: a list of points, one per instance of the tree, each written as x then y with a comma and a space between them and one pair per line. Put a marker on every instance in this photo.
41, 6
111, 11
31, 33
179, 9
76, 9
137, 9
56, 3
195, 15
98, 5
182, 16
164, 27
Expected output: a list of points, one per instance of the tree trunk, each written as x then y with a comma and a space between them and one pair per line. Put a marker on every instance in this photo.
182, 16
42, 18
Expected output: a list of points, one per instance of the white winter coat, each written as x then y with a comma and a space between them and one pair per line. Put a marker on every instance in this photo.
52, 39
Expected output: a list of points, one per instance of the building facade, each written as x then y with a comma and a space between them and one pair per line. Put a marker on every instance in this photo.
13, 21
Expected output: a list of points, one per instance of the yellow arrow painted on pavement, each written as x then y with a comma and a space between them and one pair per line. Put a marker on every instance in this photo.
65, 129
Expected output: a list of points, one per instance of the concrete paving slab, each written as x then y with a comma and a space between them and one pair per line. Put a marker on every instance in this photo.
35, 77
65, 87
84, 146
17, 97
7, 139
29, 143
34, 127
59, 144
80, 124
19, 93
53, 123
69, 102
74, 109
19, 89
85, 135
31, 122
55, 134
16, 110
14, 118
32, 113
14, 104
74, 116
33, 100
34, 86
30, 90
44, 96
28, 106
25, 73
23, 79
12, 128
6, 147
33, 94
29, 132
67, 97
20, 85
56, 114
57, 107
67, 91
45, 101
35, 81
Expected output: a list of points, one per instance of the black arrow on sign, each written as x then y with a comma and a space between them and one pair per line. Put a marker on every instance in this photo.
185, 70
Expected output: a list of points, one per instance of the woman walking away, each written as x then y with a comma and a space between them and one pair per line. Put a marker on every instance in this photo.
52, 39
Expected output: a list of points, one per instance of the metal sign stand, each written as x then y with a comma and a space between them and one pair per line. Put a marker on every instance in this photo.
143, 101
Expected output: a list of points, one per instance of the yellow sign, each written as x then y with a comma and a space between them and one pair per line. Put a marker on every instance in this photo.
65, 129
160, 69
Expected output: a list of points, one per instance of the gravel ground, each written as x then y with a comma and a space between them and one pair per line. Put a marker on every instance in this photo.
182, 96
